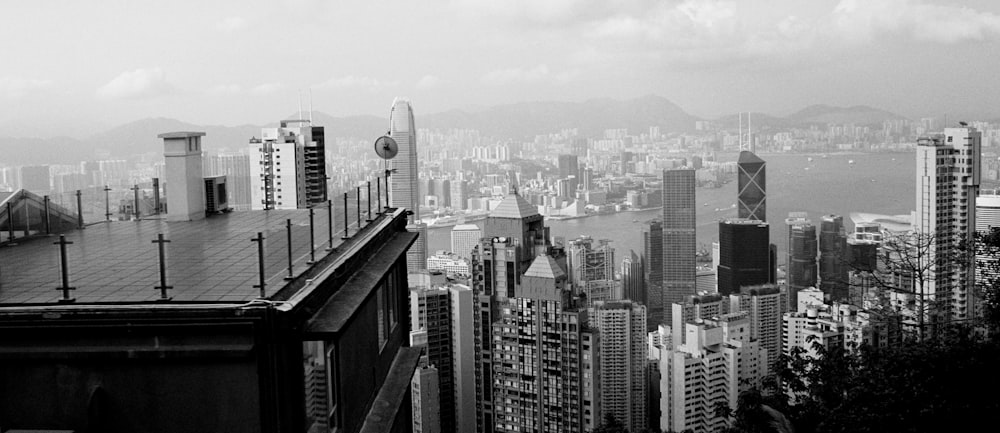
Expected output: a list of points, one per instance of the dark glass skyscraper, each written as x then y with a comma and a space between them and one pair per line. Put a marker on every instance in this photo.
751, 184
801, 253
832, 250
744, 258
652, 255
678, 238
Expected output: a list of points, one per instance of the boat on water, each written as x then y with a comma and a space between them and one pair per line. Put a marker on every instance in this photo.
810, 159
850, 161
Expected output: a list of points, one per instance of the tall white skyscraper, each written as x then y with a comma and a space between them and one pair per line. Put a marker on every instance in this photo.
403, 181
948, 173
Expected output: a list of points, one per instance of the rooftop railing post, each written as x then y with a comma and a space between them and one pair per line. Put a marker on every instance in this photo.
64, 268
368, 215
312, 237
107, 203
163, 287
260, 264
79, 209
378, 194
329, 222
387, 203
357, 196
288, 231
345, 218
10, 222
135, 202
48, 222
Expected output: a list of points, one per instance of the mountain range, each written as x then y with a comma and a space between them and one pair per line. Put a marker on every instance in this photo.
519, 121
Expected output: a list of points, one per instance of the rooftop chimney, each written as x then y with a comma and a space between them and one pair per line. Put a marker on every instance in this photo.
186, 193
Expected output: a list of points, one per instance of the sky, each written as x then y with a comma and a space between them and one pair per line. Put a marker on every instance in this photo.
72, 67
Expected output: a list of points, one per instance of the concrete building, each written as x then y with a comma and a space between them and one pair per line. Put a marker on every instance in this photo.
218, 345
744, 258
678, 236
765, 305
622, 327
448, 263
948, 176
464, 238
288, 166
591, 268
425, 389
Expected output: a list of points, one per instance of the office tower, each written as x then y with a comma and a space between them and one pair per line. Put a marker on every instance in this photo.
520, 221
288, 167
714, 363
442, 190
743, 254
765, 306
678, 236
591, 268
622, 327
801, 253
751, 186
633, 278
444, 314
416, 256
652, 255
403, 181
425, 388
459, 194
209, 351
832, 264
36, 178
464, 238
540, 374
568, 165
948, 173
236, 168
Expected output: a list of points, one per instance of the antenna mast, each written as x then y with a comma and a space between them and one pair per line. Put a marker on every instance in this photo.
300, 104
750, 144
741, 129
310, 105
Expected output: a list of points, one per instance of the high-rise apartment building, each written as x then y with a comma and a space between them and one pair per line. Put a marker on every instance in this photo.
416, 256
751, 186
652, 256
765, 305
445, 315
288, 166
801, 270
633, 278
592, 268
948, 175
622, 327
464, 238
744, 258
833, 266
678, 236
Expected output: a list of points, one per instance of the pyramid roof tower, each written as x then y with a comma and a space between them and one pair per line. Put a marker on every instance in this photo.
748, 157
514, 206
544, 266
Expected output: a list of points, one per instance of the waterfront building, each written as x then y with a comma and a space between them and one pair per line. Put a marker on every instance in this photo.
948, 177
287, 167
678, 236
652, 256
464, 238
622, 328
833, 266
801, 270
744, 258
751, 186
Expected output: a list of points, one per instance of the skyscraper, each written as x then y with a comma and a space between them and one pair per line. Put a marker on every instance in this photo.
403, 182
744, 258
652, 256
591, 268
801, 253
633, 278
622, 327
288, 166
833, 266
751, 186
948, 173
678, 236
464, 238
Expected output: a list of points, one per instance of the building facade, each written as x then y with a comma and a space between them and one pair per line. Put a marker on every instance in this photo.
678, 237
288, 167
744, 258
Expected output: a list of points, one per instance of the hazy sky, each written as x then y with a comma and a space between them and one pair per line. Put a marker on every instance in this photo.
74, 65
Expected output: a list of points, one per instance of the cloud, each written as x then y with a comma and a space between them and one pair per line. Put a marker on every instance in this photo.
516, 75
267, 88
231, 24
350, 81
428, 81
14, 88
921, 21
225, 89
136, 84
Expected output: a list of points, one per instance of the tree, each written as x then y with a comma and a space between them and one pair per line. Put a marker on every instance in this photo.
610, 425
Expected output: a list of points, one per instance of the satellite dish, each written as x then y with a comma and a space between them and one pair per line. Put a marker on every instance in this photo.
386, 147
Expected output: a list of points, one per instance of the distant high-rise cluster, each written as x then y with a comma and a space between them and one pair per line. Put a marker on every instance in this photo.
288, 166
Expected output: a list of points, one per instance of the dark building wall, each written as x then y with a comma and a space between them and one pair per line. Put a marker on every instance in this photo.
744, 256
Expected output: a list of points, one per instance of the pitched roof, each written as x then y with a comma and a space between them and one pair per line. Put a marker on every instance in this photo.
748, 157
514, 206
546, 267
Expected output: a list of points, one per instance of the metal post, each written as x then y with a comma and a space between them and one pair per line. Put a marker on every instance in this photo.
378, 194
312, 239
260, 263
357, 196
64, 266
288, 230
368, 215
10, 223
345, 218
329, 222
48, 222
387, 203
107, 203
79, 209
156, 195
135, 190
163, 287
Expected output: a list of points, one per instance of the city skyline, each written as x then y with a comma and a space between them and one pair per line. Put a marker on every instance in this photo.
709, 56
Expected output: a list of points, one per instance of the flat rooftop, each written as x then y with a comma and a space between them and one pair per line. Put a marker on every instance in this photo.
207, 261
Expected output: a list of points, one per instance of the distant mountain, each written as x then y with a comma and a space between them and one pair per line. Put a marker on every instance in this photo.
761, 120
858, 114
